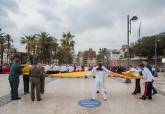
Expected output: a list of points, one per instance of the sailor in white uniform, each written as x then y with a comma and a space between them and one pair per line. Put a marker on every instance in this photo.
78, 68
71, 68
86, 68
99, 72
64, 68
148, 78
46, 68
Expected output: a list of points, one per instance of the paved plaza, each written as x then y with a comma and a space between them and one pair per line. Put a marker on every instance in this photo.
63, 94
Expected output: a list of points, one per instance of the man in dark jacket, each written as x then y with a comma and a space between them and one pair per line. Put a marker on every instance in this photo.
15, 72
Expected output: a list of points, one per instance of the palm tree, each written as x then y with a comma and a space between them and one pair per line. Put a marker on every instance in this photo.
9, 41
47, 46
67, 40
31, 42
2, 42
67, 47
5, 44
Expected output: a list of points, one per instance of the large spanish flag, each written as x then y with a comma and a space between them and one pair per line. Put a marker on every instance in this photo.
71, 74
82, 74
126, 75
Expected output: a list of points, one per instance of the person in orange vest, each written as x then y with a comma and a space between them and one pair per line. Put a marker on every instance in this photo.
25, 71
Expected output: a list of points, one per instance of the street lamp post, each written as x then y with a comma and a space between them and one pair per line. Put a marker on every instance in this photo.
134, 18
155, 73
156, 54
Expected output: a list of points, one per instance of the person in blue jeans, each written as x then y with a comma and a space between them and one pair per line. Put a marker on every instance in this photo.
15, 72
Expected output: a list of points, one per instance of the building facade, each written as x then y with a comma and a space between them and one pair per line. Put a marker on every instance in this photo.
87, 57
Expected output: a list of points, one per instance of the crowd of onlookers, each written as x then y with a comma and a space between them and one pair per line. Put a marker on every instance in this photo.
54, 68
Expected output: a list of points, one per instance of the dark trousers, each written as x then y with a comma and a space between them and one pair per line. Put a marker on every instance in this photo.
153, 88
42, 84
14, 84
35, 87
148, 90
137, 86
26, 83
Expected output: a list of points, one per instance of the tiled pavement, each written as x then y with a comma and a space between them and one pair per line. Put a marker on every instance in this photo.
62, 95
6, 98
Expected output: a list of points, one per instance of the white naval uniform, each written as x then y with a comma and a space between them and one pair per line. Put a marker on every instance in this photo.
147, 75
78, 68
64, 69
46, 68
99, 81
86, 68
71, 68
56, 68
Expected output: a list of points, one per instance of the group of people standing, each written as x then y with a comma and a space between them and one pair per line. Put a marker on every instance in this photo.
144, 69
36, 75
31, 73
54, 68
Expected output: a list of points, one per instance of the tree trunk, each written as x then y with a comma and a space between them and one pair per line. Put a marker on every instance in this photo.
1, 56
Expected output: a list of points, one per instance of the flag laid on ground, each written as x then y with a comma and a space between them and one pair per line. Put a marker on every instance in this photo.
71, 74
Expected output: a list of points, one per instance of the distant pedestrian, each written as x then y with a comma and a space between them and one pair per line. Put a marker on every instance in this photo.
15, 72
35, 76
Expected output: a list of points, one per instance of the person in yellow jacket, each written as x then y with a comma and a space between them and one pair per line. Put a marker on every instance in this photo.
25, 71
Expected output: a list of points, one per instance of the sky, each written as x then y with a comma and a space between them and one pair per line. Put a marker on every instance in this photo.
95, 23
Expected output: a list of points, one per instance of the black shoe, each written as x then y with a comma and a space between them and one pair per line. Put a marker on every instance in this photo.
142, 98
18, 98
150, 98
98, 92
138, 92
134, 93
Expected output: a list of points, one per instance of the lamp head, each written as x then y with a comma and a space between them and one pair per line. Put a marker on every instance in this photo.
134, 18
